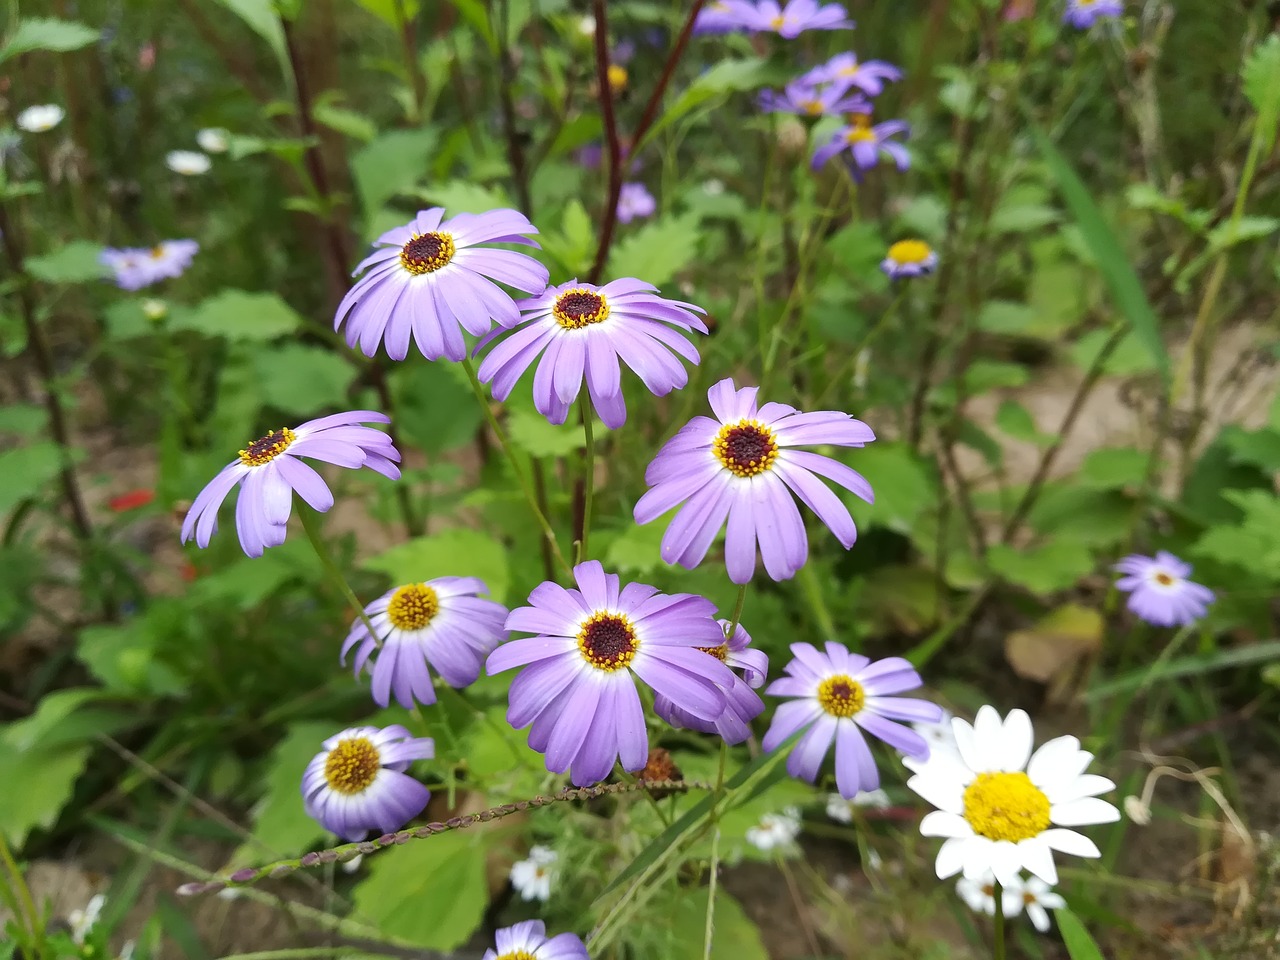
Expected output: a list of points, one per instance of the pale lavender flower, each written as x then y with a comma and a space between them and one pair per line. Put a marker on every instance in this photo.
1083, 14
742, 468
441, 624
270, 470
839, 695
635, 202
845, 70
578, 688
810, 100
909, 258
796, 17
582, 331
528, 940
1159, 591
724, 16
357, 784
742, 703
866, 144
135, 268
433, 278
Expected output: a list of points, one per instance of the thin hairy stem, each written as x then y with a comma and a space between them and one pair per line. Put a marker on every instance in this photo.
312, 528
588, 478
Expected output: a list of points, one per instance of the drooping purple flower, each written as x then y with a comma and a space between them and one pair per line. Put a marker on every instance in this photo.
578, 688
845, 70
582, 332
866, 144
432, 278
270, 470
725, 16
635, 202
441, 624
742, 468
1083, 14
839, 696
812, 100
742, 703
909, 258
136, 267
357, 784
1159, 591
528, 940
796, 17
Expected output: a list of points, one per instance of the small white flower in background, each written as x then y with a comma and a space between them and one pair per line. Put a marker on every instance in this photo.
841, 810
40, 118
189, 163
213, 140
940, 736
713, 188
532, 877
587, 26
154, 310
776, 830
1037, 898
82, 921
980, 895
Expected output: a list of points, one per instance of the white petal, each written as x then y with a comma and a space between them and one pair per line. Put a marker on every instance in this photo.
988, 735
1038, 859
1006, 861
978, 853
1047, 763
967, 744
1087, 785
1075, 813
943, 792
1069, 841
1039, 918
1018, 736
940, 823
1051, 900
951, 858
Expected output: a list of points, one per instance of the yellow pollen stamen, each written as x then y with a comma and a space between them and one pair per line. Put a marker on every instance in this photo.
989, 890
263, 451
841, 695
1028, 898
910, 251
812, 107
721, 652
427, 252
517, 955
617, 77
607, 641
157, 252
859, 129
745, 448
579, 307
352, 766
413, 606
851, 70
1006, 806
777, 23
1164, 579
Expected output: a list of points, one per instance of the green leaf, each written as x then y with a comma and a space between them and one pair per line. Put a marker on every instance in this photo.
23, 419
1261, 75
46, 777
1258, 447
1253, 543
239, 315
1128, 359
1046, 569
1068, 511
1079, 944
734, 936
435, 407
1229, 234
390, 164
281, 827
1122, 281
536, 436
125, 659
904, 485
27, 472
1006, 317
724, 78
657, 251
575, 242
463, 196
261, 17
431, 891
453, 553
75, 262
1015, 420
302, 379
1022, 218
49, 718
126, 319
46, 33
1113, 468
637, 550
348, 122
393, 13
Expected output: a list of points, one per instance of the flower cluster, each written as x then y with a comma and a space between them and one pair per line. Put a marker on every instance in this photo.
768, 16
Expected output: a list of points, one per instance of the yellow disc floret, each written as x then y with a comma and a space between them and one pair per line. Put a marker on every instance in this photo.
266, 449
427, 252
580, 307
1006, 806
841, 695
607, 641
745, 448
352, 766
517, 955
910, 251
860, 129
413, 606
721, 652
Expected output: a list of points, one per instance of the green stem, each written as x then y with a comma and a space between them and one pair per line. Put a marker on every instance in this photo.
24, 894
588, 477
998, 952
709, 928
312, 529
498, 432
813, 594
848, 369
733, 626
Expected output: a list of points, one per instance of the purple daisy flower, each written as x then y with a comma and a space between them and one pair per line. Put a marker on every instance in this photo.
809, 100
1083, 14
528, 940
725, 16
582, 331
635, 202
578, 688
440, 624
742, 703
135, 268
1159, 591
909, 258
271, 472
431, 279
866, 144
844, 70
839, 695
796, 17
742, 467
357, 783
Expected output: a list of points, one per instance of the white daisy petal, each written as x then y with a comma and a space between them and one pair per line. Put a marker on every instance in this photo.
951, 858
1038, 917
978, 854
1068, 841
1085, 785
939, 823
1017, 741
944, 793
1047, 762
1038, 859
1086, 810
1006, 860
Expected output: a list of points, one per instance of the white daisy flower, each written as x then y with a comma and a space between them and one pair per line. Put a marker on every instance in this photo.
214, 140
939, 736
82, 921
189, 163
1002, 809
980, 895
841, 810
40, 118
1037, 898
532, 877
776, 831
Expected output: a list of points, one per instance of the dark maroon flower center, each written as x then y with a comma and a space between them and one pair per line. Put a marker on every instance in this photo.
580, 307
607, 641
746, 447
427, 252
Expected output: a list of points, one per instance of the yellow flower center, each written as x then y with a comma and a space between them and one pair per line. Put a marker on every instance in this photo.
580, 307
607, 641
413, 606
812, 107
721, 652
777, 23
352, 766
263, 451
617, 77
910, 251
156, 252
851, 70
427, 253
745, 448
989, 889
860, 129
1006, 806
1028, 898
1164, 579
517, 955
841, 695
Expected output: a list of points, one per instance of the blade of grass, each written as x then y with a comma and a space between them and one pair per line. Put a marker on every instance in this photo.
1184, 667
1080, 945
